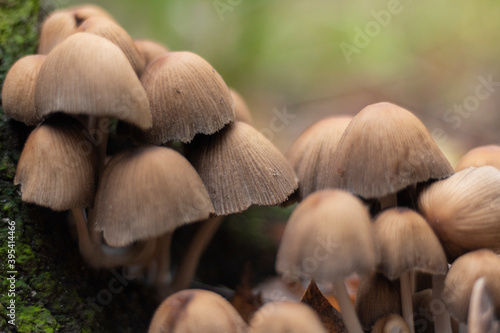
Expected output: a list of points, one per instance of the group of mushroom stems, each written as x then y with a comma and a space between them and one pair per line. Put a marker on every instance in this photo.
377, 198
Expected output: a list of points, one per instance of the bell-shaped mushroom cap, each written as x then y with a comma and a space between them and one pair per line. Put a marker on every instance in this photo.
464, 210
149, 49
376, 297
480, 156
187, 97
147, 192
240, 168
18, 92
460, 280
311, 155
407, 243
85, 11
241, 110
392, 323
328, 237
58, 165
286, 317
384, 149
106, 28
193, 311
481, 317
87, 74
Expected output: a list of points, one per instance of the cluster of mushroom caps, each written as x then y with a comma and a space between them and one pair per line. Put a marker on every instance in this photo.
90, 78
379, 199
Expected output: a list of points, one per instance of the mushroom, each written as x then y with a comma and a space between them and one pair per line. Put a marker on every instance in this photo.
193, 311
460, 280
481, 317
149, 49
311, 155
464, 210
18, 92
391, 323
286, 317
384, 149
329, 237
480, 156
241, 111
407, 244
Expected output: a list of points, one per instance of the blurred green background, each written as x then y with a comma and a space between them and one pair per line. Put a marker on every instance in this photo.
427, 56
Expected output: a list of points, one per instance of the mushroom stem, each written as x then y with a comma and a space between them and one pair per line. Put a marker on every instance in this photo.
99, 255
162, 259
406, 299
351, 321
442, 321
190, 261
388, 201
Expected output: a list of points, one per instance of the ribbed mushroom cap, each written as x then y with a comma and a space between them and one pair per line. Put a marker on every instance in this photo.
240, 168
384, 149
407, 243
187, 97
392, 323
85, 11
18, 92
464, 210
311, 155
481, 317
376, 297
286, 317
87, 74
480, 156
106, 28
146, 192
150, 49
193, 311
58, 166
328, 237
241, 110
461, 278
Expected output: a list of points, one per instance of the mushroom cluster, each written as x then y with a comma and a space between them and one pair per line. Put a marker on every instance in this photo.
90, 89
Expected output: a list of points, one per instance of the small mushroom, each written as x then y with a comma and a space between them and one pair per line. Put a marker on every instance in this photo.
193, 311
480, 156
286, 317
149, 49
391, 323
241, 111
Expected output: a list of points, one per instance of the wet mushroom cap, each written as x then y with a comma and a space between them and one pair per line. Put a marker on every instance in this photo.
286, 317
460, 280
464, 210
240, 168
87, 74
18, 92
480, 156
311, 155
384, 149
58, 165
147, 192
193, 310
187, 96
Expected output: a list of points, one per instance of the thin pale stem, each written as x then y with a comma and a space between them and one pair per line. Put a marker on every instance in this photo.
198, 244
351, 321
162, 258
406, 299
442, 321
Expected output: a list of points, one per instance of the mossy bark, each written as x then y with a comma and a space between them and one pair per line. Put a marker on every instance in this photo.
55, 291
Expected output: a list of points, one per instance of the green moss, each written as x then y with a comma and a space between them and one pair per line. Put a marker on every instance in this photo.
35, 319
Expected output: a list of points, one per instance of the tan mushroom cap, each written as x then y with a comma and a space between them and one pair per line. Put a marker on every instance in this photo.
286, 317
18, 92
384, 149
376, 297
407, 243
241, 111
187, 97
147, 192
464, 210
480, 156
193, 311
58, 166
106, 28
328, 237
460, 280
87, 74
311, 155
391, 323
240, 168
149, 49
